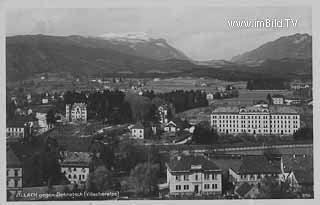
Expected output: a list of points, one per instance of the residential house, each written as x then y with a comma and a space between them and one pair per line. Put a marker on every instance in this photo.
277, 99
138, 131
40, 112
163, 113
293, 101
19, 128
14, 174
209, 96
176, 125
193, 175
76, 113
75, 166
255, 167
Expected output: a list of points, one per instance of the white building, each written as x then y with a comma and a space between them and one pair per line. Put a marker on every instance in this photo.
19, 129
14, 175
75, 166
278, 99
257, 119
193, 175
76, 113
138, 131
163, 113
209, 96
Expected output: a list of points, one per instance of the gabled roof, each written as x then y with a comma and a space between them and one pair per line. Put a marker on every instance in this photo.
243, 189
12, 159
16, 124
252, 164
185, 163
277, 96
76, 159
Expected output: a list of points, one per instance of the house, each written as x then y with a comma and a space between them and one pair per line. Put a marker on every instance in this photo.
76, 113
254, 168
209, 96
175, 125
293, 101
138, 131
299, 173
75, 166
194, 176
277, 99
20, 128
247, 191
14, 174
40, 112
163, 113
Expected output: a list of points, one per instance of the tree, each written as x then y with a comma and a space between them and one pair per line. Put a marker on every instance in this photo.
143, 179
51, 119
303, 134
100, 180
203, 134
269, 98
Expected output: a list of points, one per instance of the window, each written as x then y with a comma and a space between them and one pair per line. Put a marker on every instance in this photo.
178, 178
16, 172
186, 187
196, 177
206, 176
178, 187
206, 186
186, 177
16, 183
214, 186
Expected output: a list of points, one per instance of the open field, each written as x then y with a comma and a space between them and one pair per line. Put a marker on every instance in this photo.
189, 83
247, 97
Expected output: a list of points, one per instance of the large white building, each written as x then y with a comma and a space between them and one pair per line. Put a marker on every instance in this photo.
194, 176
256, 119
76, 113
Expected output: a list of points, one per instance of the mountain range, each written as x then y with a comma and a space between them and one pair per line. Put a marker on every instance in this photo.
136, 53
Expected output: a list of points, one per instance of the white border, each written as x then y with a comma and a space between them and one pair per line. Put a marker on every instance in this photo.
7, 4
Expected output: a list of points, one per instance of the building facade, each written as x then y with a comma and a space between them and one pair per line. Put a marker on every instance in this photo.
163, 113
14, 175
18, 129
193, 176
76, 113
278, 99
256, 120
138, 131
75, 166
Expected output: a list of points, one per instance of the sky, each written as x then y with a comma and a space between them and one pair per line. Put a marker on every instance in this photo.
202, 33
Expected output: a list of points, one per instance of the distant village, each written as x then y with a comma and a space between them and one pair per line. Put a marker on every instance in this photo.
137, 143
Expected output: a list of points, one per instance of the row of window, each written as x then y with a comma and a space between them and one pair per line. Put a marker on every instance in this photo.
259, 176
255, 122
258, 131
206, 177
9, 129
254, 117
213, 186
16, 173
81, 176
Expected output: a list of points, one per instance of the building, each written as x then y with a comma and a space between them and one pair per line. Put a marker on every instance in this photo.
75, 166
209, 96
293, 101
277, 99
254, 168
256, 120
163, 113
40, 112
175, 125
14, 175
76, 113
19, 129
194, 176
138, 131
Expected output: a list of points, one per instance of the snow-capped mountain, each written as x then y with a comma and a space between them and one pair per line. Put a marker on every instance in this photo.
142, 45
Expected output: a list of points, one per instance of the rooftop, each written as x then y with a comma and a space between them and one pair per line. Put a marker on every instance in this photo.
12, 159
76, 159
186, 163
277, 96
138, 126
252, 164
41, 108
243, 189
273, 109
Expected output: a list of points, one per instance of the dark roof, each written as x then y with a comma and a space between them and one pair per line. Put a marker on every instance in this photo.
12, 159
298, 162
304, 177
138, 126
81, 159
277, 96
185, 163
259, 164
243, 189
41, 108
180, 123
16, 124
